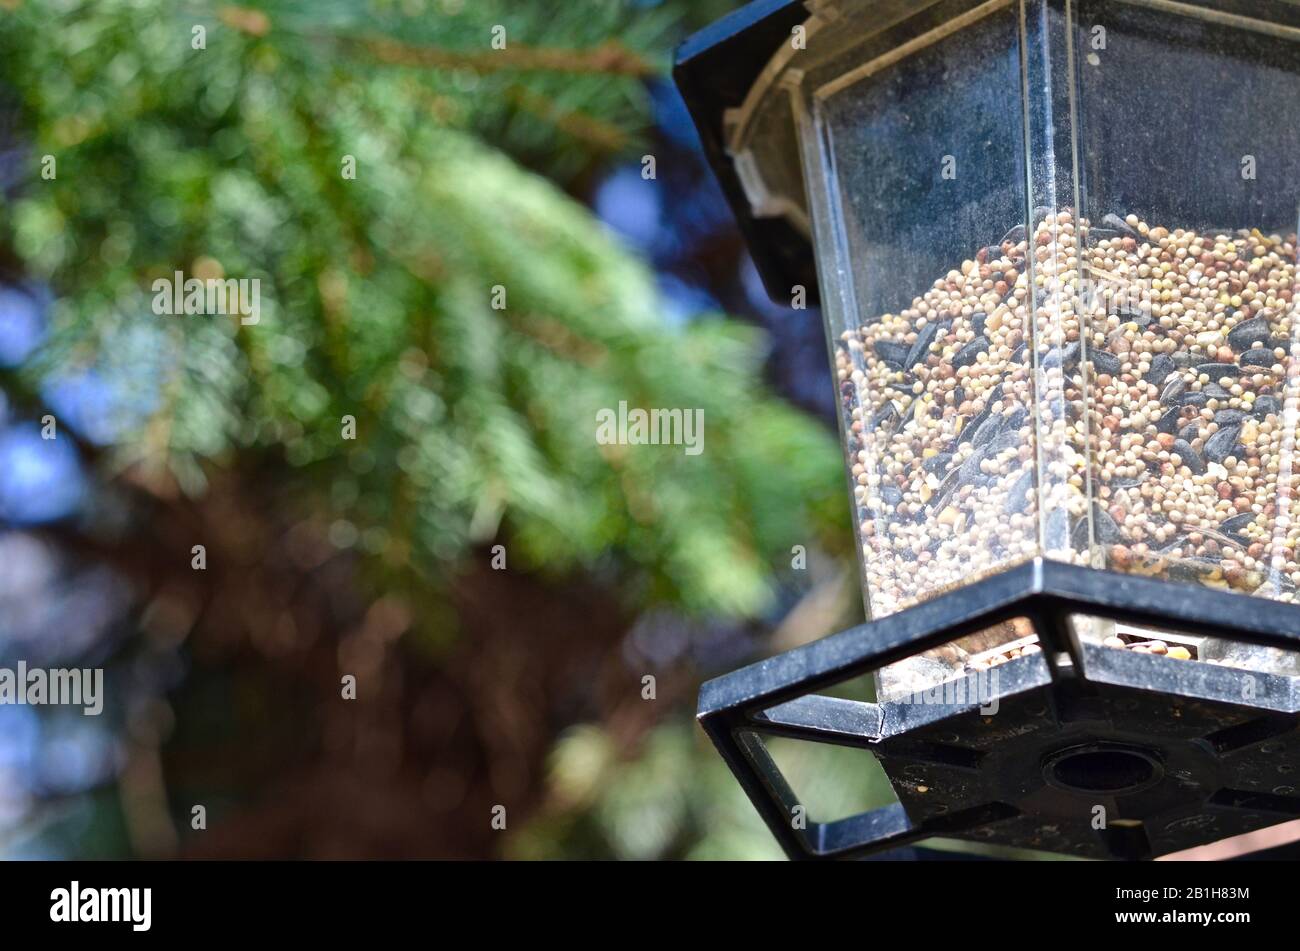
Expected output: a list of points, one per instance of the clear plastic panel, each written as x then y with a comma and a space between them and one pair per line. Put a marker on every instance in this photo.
1058, 256
1056, 244
1189, 155
923, 165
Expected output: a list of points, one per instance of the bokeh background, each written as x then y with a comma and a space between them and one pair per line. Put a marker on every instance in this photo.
477, 687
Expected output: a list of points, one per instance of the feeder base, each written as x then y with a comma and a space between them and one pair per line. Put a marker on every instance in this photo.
1078, 748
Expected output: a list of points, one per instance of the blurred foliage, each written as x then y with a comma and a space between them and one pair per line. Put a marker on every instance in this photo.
376, 293
678, 800
474, 425
671, 802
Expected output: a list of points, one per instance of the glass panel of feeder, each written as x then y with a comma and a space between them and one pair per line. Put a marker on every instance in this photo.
1187, 122
914, 162
974, 654
1180, 645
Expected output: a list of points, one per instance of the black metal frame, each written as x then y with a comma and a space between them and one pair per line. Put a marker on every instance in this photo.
778, 696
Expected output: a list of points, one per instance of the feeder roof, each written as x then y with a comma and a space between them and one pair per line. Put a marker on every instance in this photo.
742, 78
715, 71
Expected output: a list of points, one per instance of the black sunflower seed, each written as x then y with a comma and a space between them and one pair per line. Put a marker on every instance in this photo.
1103, 361
1267, 406
921, 348
891, 352
1191, 458
1161, 367
1168, 422
1247, 333
1217, 371
1259, 357
1222, 444
968, 354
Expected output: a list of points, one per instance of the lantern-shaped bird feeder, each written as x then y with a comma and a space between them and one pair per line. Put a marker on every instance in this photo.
1055, 246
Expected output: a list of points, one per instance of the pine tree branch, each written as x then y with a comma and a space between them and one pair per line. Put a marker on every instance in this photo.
600, 135
610, 58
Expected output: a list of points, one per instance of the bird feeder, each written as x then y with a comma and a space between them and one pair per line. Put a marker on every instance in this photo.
1055, 252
